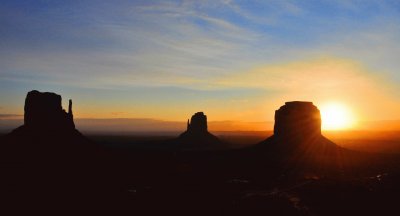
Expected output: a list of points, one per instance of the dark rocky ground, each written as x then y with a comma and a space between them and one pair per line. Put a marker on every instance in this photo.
49, 167
153, 181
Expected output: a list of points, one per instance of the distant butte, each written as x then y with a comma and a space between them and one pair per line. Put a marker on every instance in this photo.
43, 110
198, 123
197, 136
47, 151
297, 137
48, 132
297, 120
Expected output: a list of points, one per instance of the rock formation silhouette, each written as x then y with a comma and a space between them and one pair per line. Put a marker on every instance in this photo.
297, 138
48, 132
44, 111
297, 123
197, 136
297, 120
47, 152
198, 123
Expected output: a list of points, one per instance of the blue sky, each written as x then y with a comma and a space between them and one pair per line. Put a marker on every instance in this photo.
169, 59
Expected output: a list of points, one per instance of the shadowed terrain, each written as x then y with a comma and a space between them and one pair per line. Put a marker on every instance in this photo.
47, 165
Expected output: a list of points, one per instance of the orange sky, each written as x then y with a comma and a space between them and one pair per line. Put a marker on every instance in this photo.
235, 61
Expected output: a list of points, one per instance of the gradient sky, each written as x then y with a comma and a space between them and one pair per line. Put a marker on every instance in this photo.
234, 60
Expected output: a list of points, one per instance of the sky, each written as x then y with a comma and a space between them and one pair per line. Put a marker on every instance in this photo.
234, 60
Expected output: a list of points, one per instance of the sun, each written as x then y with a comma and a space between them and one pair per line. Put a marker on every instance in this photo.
336, 116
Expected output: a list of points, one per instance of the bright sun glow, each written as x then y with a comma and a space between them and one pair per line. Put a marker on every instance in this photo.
336, 116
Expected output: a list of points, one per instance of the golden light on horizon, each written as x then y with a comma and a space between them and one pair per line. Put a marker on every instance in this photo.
336, 116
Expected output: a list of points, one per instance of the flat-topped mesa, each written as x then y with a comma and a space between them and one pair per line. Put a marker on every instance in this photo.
43, 110
197, 137
198, 123
297, 120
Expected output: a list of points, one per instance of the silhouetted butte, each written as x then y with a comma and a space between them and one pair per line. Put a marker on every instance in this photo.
297, 121
48, 132
197, 137
297, 138
48, 156
44, 111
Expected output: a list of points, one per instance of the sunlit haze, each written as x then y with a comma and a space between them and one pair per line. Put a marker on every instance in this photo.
336, 116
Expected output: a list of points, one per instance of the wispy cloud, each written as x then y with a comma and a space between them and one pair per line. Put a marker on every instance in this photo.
164, 43
8, 116
321, 80
271, 46
151, 45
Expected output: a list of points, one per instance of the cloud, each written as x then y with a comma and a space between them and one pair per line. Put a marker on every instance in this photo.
375, 47
132, 125
9, 116
321, 80
156, 44
118, 113
292, 75
166, 43
163, 43
272, 47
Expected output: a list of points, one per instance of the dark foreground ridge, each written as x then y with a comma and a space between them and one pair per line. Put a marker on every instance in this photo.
46, 165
